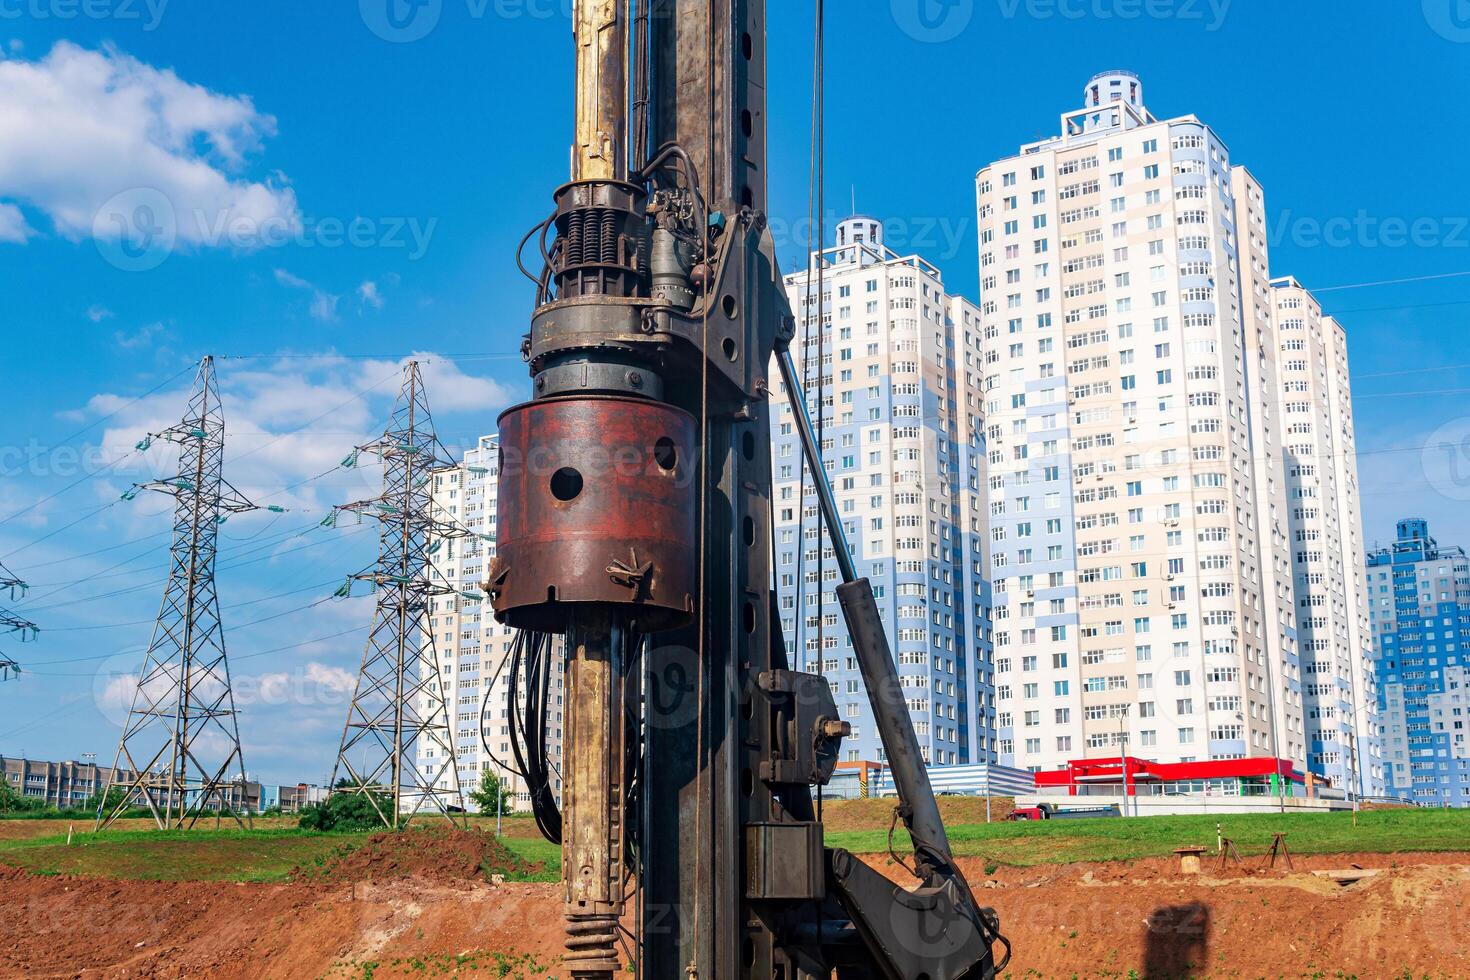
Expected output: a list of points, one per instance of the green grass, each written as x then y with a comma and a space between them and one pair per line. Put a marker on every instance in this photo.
1113, 839
271, 854
480, 964
171, 855
217, 855
533, 850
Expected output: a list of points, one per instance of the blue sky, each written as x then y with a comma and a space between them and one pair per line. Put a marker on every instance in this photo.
349, 200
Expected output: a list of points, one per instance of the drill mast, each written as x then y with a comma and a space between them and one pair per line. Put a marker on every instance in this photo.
635, 522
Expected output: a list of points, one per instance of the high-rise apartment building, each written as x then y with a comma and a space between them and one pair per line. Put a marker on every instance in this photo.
473, 648
896, 359
1325, 521
1419, 603
1140, 542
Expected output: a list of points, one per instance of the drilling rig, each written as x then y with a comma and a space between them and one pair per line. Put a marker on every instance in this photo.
635, 525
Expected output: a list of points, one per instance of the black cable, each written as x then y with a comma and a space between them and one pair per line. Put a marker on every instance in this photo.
529, 656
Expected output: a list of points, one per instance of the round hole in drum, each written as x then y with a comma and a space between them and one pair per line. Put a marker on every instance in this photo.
566, 484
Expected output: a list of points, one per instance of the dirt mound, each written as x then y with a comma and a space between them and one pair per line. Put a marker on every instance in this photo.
437, 854
875, 813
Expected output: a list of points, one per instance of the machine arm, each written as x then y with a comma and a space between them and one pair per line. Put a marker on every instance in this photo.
947, 899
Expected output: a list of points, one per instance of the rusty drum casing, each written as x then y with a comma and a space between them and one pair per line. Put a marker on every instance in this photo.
597, 507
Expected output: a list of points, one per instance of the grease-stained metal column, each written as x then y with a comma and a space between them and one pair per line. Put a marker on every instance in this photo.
593, 827
602, 78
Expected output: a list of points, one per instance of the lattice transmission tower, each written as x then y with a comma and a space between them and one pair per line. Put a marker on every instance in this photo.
399, 711
180, 754
10, 622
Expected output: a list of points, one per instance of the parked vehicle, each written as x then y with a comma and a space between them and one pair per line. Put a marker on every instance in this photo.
1050, 811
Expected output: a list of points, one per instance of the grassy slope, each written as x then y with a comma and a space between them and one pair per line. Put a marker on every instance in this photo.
154, 855
269, 855
1115, 839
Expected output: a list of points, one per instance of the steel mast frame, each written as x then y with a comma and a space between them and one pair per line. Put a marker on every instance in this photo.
184, 685
399, 702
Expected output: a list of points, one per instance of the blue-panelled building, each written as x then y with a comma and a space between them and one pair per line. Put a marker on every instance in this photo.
1419, 599
891, 365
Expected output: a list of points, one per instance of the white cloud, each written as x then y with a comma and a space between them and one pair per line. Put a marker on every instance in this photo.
145, 336
331, 678
323, 303
118, 691
97, 313
448, 387
289, 421
80, 127
13, 228
369, 295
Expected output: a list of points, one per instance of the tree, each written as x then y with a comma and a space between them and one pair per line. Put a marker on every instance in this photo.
492, 797
346, 811
115, 795
12, 801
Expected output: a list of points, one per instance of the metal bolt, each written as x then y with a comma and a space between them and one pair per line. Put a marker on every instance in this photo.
635, 379
836, 729
540, 382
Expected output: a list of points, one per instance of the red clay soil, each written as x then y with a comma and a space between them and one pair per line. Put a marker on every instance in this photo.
1085, 920
436, 854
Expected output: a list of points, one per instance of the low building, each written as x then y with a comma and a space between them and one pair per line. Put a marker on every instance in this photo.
1130, 776
70, 784
1143, 787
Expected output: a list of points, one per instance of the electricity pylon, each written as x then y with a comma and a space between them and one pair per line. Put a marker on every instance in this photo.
12, 623
183, 709
399, 710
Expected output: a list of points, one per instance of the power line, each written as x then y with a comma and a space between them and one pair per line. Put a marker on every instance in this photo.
247, 656
88, 428
234, 605
46, 537
1389, 282
1412, 394
1422, 370
92, 553
1389, 309
224, 568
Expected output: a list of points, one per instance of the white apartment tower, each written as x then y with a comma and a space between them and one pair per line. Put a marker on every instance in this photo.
1328, 550
896, 360
473, 648
1141, 598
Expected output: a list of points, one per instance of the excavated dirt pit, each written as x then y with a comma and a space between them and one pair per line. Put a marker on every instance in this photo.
384, 911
